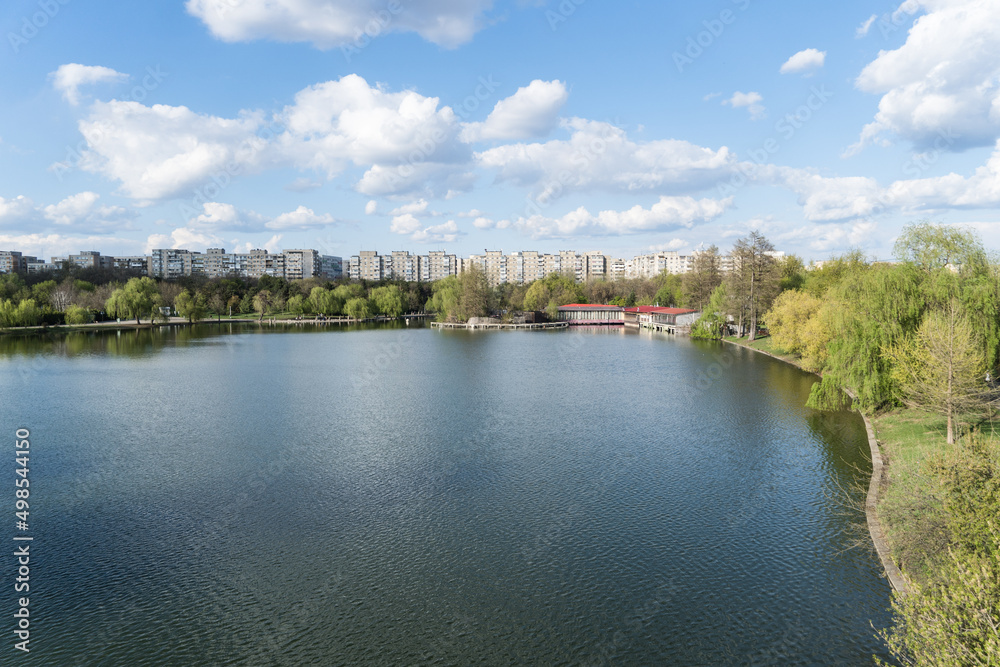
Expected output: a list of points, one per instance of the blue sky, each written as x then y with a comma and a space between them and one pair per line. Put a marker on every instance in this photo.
473, 124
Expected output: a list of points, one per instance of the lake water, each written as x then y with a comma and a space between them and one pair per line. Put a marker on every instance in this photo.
395, 496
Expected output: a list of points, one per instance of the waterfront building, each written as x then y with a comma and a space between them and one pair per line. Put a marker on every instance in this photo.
591, 314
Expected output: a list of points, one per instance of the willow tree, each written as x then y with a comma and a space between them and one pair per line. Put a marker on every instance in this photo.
139, 296
940, 369
871, 309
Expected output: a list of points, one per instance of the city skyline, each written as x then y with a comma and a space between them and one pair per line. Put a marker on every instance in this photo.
384, 124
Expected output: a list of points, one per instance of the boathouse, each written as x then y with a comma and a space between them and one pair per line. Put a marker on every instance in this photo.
591, 314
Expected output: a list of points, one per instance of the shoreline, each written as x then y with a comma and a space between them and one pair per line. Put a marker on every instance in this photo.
878, 479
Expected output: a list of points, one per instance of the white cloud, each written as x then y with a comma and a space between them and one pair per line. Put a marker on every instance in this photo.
72, 208
404, 139
483, 223
751, 101
827, 199
804, 61
16, 211
981, 190
529, 113
68, 79
218, 216
944, 79
668, 213
183, 238
416, 207
599, 156
300, 218
866, 26
162, 151
348, 24
405, 224
371, 208
672, 245
447, 232
474, 213
79, 211
408, 225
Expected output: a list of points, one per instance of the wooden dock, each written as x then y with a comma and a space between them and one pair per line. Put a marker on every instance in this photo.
501, 327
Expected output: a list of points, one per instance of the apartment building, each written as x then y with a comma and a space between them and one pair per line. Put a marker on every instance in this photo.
404, 266
11, 261
438, 265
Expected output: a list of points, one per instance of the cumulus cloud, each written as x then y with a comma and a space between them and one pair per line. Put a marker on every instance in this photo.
944, 79
529, 113
217, 216
371, 208
980, 190
300, 218
828, 199
668, 213
68, 79
16, 211
162, 151
419, 206
80, 211
348, 24
404, 139
407, 224
751, 101
804, 61
600, 156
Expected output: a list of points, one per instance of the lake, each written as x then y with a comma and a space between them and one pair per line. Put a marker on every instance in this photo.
231, 495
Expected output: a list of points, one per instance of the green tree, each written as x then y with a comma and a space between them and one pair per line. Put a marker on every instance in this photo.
263, 302
871, 309
357, 308
137, 298
78, 315
192, 307
940, 369
952, 621
933, 247
476, 296
217, 303
671, 294
445, 298
325, 302
296, 305
713, 316
788, 318
388, 300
